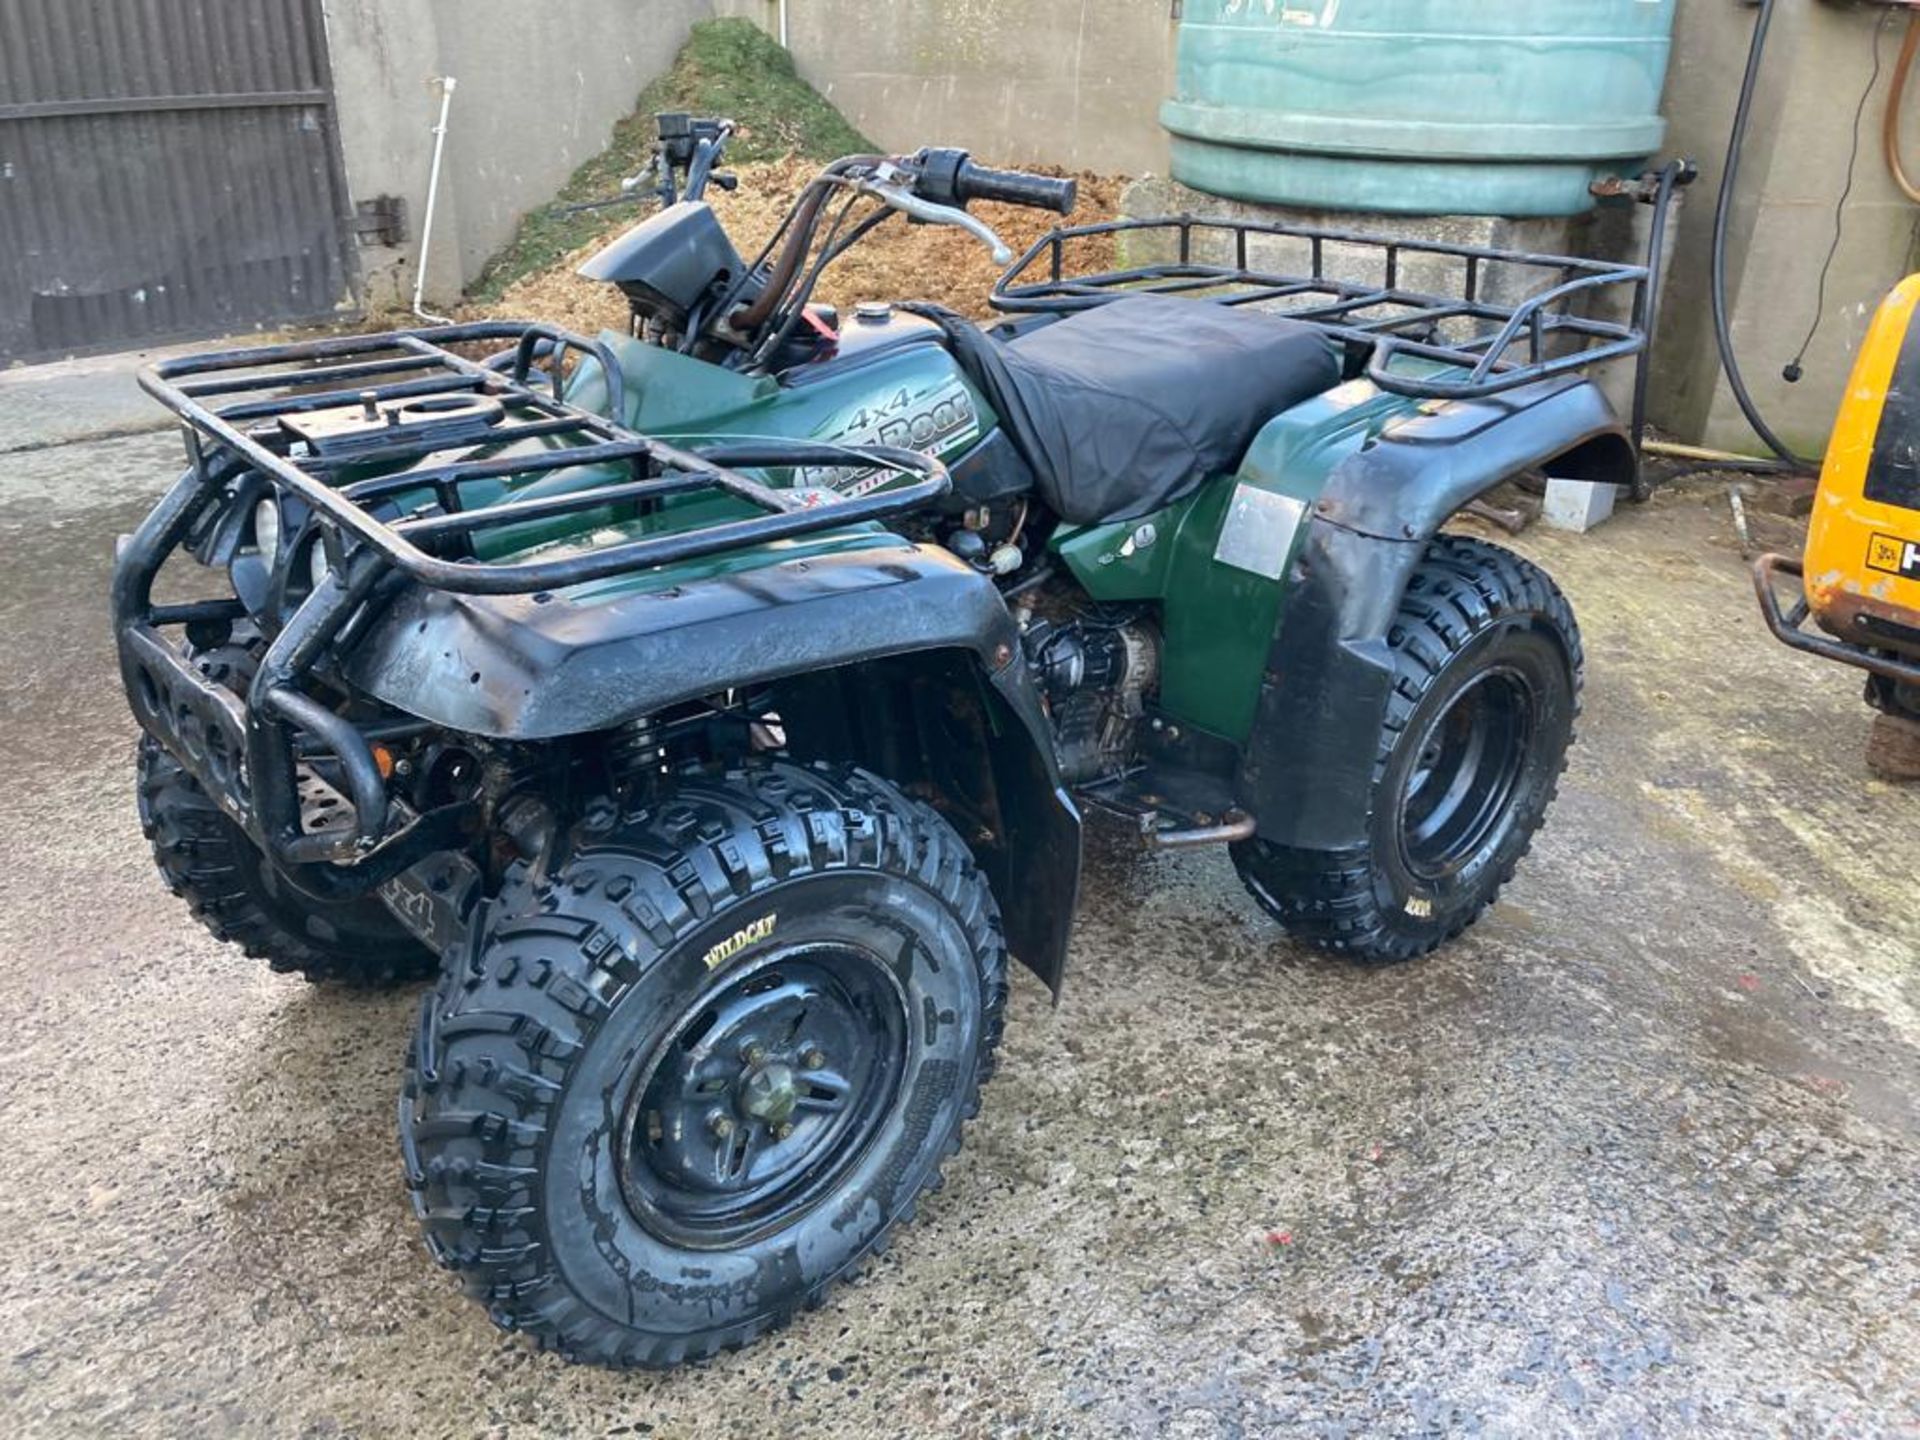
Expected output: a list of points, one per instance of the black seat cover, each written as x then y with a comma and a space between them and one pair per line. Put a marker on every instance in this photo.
1129, 406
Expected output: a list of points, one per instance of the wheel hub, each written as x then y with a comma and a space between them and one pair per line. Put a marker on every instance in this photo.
768, 1093
1459, 791
763, 1095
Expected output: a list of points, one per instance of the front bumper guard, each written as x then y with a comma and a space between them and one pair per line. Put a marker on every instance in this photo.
205, 726
245, 751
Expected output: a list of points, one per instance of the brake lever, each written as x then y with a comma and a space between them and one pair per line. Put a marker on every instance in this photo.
910, 204
632, 188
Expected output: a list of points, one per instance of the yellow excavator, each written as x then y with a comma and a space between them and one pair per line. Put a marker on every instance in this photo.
1860, 573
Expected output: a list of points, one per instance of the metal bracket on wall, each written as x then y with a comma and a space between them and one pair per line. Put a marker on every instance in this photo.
381, 220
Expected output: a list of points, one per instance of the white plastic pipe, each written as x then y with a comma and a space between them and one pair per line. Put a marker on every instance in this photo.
447, 84
783, 24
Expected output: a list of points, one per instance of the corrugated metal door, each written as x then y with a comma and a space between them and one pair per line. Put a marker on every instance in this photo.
168, 168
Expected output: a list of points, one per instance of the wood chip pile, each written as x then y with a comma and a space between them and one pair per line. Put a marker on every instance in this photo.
897, 262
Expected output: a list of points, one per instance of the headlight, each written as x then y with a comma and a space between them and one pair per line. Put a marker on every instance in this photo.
266, 530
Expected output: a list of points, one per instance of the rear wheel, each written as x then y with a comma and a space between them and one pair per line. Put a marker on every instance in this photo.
1487, 666
677, 1089
232, 889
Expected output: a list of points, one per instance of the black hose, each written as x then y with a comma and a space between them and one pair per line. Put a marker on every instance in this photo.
1722, 331
753, 267
794, 253
799, 294
1792, 371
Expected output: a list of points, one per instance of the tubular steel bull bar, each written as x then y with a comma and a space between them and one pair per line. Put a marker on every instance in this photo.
1789, 626
245, 753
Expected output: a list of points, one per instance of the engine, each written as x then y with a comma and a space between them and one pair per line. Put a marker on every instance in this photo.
1096, 672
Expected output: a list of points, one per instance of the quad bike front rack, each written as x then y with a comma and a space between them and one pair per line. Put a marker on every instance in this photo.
308, 421
286, 383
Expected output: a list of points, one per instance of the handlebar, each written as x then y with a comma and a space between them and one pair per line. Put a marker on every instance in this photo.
933, 185
1015, 187
950, 178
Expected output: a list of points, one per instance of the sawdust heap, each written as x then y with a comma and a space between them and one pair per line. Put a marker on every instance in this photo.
897, 262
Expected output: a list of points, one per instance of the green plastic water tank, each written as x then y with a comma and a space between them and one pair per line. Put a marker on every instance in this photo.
1432, 107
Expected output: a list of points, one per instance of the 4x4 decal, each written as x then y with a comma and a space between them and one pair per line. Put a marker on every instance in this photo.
935, 421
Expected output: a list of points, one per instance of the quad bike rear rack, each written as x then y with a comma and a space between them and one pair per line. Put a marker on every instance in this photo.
1507, 317
303, 420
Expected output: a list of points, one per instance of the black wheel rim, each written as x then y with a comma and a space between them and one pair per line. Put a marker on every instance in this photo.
1459, 794
763, 1095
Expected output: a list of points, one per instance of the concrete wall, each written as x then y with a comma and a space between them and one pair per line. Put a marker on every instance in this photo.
539, 90
1018, 81
1819, 60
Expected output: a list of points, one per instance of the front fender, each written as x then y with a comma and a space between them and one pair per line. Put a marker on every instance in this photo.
541, 667
538, 667
1307, 773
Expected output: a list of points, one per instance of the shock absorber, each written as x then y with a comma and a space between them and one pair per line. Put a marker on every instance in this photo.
635, 754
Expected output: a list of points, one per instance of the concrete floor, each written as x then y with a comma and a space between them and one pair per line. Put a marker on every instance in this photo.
1636, 1156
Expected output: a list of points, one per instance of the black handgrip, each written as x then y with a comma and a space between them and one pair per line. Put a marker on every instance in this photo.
1015, 187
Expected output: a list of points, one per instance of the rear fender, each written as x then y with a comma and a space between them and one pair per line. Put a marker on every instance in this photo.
1417, 472
1307, 774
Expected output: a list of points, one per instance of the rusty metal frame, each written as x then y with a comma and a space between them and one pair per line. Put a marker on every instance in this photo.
1788, 626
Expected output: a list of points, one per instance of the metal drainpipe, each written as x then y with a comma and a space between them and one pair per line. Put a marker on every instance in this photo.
783, 24
447, 84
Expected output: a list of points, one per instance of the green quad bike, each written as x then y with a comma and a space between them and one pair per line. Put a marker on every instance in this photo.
712, 708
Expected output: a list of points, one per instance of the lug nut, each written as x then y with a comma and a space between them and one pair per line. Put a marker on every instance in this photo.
782, 1130
720, 1125
814, 1058
754, 1054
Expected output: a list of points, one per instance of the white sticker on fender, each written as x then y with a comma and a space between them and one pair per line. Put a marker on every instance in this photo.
1257, 535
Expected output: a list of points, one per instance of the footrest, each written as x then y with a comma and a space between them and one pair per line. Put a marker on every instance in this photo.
1171, 808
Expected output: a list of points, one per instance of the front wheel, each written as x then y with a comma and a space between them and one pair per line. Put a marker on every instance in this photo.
1487, 681
208, 861
675, 1090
